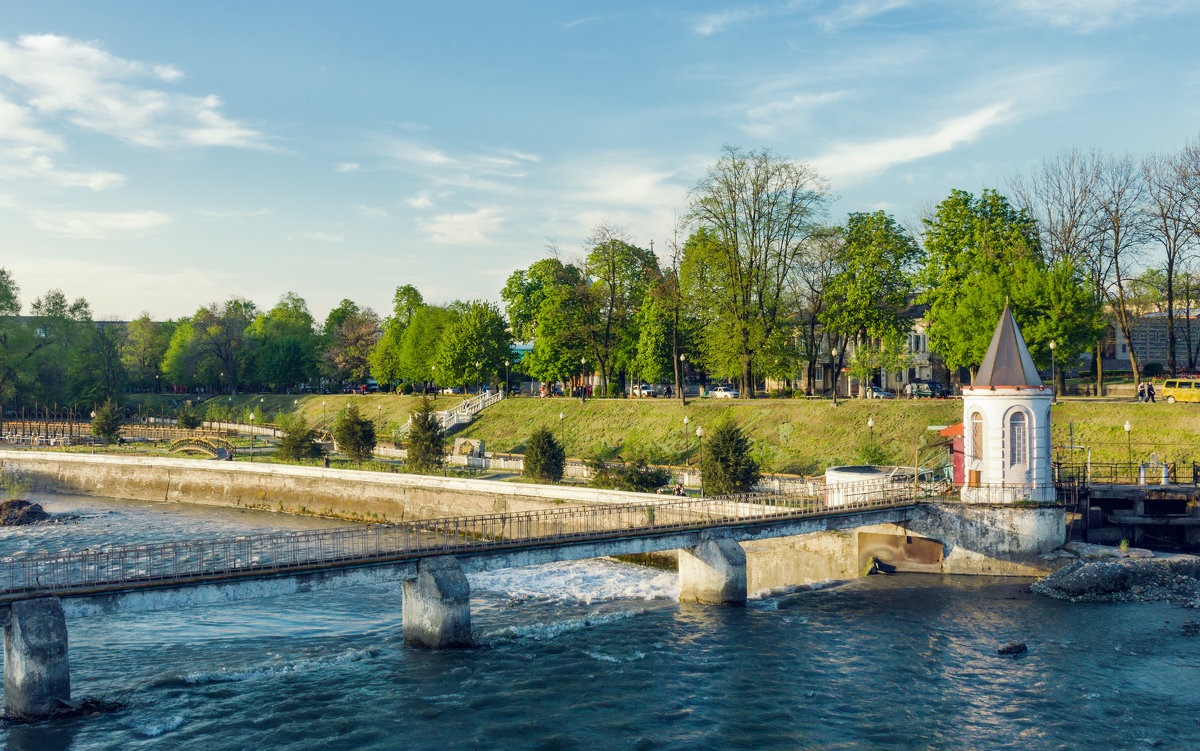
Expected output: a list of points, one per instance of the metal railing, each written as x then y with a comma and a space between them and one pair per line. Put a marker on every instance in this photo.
198, 561
463, 412
1127, 473
212, 446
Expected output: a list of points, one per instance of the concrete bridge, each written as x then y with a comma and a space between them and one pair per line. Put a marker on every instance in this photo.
430, 557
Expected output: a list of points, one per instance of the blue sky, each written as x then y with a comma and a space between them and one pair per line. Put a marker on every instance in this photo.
159, 156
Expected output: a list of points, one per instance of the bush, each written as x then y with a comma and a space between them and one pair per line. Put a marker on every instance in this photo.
406, 389
355, 434
726, 465
425, 450
299, 440
188, 417
545, 459
614, 391
634, 475
1153, 370
106, 425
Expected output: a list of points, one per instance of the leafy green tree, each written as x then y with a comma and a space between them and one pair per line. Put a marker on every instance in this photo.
348, 354
95, 372
189, 417
869, 296
727, 466
544, 305
761, 210
633, 475
474, 345
106, 425
355, 434
655, 356
284, 344
143, 349
426, 454
419, 345
299, 440
385, 358
545, 459
18, 346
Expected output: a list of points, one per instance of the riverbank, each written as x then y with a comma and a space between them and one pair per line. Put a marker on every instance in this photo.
1103, 574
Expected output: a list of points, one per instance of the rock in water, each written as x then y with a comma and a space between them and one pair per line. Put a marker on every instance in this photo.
15, 513
1013, 648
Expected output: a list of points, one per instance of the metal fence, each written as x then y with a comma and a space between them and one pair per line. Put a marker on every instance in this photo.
1127, 473
197, 561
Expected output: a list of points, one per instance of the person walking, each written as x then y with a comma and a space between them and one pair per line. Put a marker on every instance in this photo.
1141, 392
1150, 392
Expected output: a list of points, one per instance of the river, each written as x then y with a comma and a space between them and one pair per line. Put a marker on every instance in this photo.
600, 655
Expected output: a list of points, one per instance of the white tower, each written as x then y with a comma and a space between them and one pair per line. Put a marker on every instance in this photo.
1006, 421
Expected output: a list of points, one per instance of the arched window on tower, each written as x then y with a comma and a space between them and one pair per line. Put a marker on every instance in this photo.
1018, 439
976, 436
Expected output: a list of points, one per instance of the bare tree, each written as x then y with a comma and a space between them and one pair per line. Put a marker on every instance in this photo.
1170, 220
762, 209
1121, 228
821, 262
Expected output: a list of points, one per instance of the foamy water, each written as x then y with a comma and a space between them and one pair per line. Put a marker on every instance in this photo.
599, 654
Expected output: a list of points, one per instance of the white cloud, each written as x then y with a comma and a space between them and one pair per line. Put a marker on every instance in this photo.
371, 212
324, 237
463, 229
93, 89
420, 200
712, 23
98, 225
855, 13
1086, 16
854, 160
578, 22
233, 213
345, 167
765, 118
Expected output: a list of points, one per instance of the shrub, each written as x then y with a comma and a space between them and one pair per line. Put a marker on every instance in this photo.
355, 434
545, 459
298, 441
188, 417
726, 464
106, 425
406, 389
425, 450
634, 475
1153, 370
614, 391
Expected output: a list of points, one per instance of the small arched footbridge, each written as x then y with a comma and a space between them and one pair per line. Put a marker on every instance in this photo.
218, 448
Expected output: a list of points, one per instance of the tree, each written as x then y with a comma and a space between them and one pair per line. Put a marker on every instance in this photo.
218, 342
299, 440
823, 261
385, 358
474, 345
348, 353
655, 354
143, 349
544, 304
355, 434
545, 459
868, 298
1121, 229
416, 360
726, 464
1171, 221
106, 424
18, 346
761, 209
189, 417
284, 344
426, 453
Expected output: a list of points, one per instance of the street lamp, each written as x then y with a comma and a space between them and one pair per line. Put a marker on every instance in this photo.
1129, 443
378, 413
685, 431
322, 413
562, 431
479, 373
1053, 375
870, 423
834, 353
700, 463
582, 375
506, 364
251, 436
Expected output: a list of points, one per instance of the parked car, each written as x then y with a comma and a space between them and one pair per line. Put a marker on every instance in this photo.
723, 392
874, 392
644, 389
929, 390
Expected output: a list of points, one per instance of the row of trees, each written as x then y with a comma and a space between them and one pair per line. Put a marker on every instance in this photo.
761, 285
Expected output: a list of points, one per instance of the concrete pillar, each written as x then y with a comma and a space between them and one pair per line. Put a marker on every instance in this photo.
713, 573
37, 677
437, 605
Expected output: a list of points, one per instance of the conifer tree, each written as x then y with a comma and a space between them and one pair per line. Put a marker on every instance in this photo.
726, 465
425, 451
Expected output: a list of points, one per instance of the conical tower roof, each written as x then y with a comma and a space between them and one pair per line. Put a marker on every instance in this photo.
1007, 362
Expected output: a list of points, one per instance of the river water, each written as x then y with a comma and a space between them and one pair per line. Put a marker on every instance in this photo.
600, 655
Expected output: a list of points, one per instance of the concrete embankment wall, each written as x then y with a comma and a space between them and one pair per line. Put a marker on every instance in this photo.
347, 494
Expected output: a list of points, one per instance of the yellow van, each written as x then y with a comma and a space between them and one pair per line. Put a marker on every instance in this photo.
1181, 390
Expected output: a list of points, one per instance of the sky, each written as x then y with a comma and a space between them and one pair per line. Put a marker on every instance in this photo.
159, 156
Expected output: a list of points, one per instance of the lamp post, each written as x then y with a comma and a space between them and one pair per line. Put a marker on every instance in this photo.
1129, 443
251, 436
700, 462
1053, 375
506, 364
834, 353
479, 374
685, 431
379, 414
322, 413
562, 431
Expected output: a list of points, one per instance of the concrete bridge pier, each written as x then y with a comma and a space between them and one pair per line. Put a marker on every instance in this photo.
437, 605
37, 676
713, 573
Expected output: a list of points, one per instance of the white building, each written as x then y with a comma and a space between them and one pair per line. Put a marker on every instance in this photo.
1006, 418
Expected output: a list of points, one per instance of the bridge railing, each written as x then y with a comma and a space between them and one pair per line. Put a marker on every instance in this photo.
195, 561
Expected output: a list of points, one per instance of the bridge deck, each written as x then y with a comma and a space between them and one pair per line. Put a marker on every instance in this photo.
192, 562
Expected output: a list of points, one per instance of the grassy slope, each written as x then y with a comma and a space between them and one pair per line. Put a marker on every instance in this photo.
798, 436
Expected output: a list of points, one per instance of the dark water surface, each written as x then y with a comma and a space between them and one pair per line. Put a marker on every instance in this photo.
599, 655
